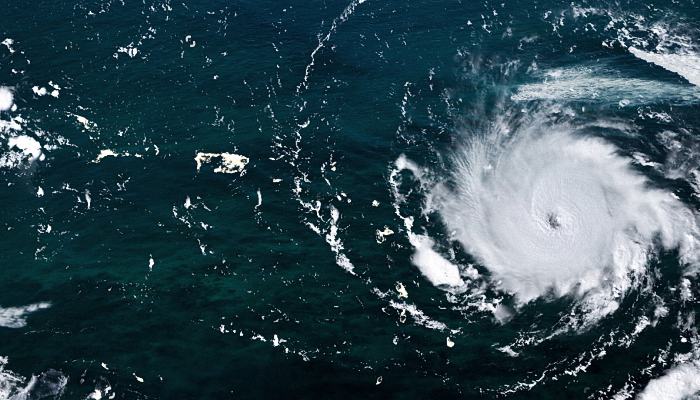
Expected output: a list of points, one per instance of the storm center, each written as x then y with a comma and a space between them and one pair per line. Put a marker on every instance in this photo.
553, 220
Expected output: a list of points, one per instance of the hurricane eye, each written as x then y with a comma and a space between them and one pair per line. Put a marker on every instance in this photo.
553, 221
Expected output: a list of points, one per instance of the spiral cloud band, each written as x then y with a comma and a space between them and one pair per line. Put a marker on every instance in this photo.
549, 211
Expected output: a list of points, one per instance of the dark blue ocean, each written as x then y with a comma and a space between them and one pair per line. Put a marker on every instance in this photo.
349, 199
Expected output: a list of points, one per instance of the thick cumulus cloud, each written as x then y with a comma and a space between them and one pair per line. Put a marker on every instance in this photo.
548, 210
6, 98
16, 317
680, 382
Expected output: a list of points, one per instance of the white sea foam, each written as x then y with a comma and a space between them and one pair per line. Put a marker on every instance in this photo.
548, 210
678, 383
16, 317
686, 65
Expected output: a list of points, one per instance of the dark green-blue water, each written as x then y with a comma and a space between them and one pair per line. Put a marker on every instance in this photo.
349, 199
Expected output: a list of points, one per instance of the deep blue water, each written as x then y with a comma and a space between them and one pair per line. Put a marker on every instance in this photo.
250, 293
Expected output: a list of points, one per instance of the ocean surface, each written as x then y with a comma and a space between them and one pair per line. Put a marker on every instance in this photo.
350, 199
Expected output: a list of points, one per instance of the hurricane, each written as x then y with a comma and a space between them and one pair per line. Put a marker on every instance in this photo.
350, 199
548, 209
